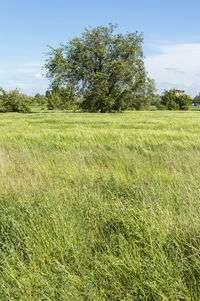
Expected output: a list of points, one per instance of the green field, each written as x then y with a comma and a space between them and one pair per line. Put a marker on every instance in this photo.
100, 206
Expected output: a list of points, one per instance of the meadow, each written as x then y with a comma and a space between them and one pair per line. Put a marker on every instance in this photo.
100, 206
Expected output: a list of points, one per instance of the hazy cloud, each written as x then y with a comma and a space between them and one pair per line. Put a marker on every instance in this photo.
174, 70
39, 76
26, 76
175, 66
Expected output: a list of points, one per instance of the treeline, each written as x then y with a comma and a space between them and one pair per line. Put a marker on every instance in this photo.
64, 99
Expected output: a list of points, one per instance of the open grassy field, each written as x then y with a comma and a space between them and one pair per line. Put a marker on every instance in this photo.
100, 207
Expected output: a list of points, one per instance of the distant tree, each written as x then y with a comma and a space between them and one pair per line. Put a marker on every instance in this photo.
104, 69
142, 95
39, 99
60, 98
156, 99
170, 100
13, 101
196, 99
150, 90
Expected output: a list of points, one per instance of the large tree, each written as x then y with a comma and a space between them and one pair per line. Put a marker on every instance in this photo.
104, 69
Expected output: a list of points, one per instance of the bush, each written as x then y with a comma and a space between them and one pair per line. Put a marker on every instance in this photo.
13, 101
170, 100
196, 100
60, 98
40, 99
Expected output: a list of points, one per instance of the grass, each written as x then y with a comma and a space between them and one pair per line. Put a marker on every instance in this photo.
100, 206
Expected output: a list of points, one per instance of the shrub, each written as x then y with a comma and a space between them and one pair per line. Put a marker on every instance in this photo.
13, 101
60, 98
40, 99
170, 100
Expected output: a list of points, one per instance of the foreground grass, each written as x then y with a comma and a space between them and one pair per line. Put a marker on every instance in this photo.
100, 207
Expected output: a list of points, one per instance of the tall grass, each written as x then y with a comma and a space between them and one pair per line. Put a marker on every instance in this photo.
100, 207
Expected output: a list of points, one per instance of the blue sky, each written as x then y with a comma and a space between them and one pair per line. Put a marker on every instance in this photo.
170, 28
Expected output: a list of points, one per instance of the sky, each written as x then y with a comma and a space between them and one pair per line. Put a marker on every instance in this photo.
171, 32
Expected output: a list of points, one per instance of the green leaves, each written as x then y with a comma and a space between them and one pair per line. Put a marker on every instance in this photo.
171, 100
60, 98
13, 101
105, 69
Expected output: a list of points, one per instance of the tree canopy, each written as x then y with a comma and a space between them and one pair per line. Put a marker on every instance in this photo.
171, 100
105, 70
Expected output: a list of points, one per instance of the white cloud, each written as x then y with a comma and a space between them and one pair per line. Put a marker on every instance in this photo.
39, 76
175, 66
26, 76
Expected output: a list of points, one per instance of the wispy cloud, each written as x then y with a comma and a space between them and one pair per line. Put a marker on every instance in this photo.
175, 65
39, 76
27, 77
174, 70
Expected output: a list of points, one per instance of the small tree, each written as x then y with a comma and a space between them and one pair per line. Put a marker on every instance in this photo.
170, 100
14, 101
156, 99
196, 99
40, 99
143, 96
60, 98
